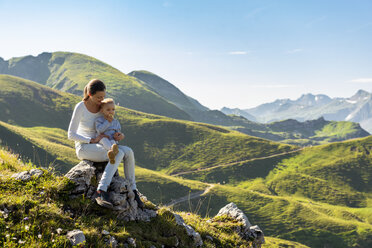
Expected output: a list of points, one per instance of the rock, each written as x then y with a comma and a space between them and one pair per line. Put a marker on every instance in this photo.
27, 175
189, 230
132, 242
86, 176
36, 173
233, 211
81, 174
5, 213
59, 230
112, 242
76, 237
24, 176
258, 236
104, 232
247, 231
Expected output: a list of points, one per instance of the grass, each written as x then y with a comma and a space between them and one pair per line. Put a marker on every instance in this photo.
38, 208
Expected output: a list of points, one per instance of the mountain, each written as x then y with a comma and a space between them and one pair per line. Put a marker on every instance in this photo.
285, 131
238, 112
312, 132
357, 108
168, 91
191, 106
70, 72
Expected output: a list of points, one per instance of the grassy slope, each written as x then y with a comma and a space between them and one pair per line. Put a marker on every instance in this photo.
37, 210
160, 143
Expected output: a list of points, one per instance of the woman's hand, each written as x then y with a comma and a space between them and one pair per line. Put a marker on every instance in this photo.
98, 138
118, 136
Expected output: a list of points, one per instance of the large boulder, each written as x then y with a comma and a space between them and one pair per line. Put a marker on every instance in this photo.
198, 242
246, 231
86, 176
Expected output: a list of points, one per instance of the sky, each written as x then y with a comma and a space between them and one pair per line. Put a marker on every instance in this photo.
224, 53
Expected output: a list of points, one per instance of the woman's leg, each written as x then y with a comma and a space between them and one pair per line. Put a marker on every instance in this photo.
92, 152
129, 165
106, 143
109, 172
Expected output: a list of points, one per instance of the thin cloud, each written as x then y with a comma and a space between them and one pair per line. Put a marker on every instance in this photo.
297, 50
362, 80
238, 53
273, 86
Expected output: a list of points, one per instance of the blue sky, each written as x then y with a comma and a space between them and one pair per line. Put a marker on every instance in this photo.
223, 53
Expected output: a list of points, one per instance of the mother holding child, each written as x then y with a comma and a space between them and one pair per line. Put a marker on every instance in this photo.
96, 134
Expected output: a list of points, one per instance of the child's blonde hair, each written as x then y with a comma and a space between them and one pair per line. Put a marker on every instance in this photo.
106, 101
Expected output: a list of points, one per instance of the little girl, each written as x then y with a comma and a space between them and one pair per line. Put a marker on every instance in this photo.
109, 126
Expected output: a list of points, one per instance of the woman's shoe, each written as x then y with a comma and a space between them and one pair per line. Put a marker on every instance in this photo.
103, 199
137, 198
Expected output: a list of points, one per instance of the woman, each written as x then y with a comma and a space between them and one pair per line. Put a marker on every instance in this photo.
82, 131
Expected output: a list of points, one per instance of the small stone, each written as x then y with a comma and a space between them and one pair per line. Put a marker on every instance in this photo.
23, 176
112, 242
76, 237
39, 236
104, 232
59, 231
21, 242
132, 242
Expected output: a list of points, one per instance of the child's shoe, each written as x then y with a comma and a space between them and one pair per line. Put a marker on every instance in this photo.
112, 153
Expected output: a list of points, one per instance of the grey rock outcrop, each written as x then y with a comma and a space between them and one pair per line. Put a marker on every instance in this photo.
86, 176
247, 231
198, 242
76, 237
27, 175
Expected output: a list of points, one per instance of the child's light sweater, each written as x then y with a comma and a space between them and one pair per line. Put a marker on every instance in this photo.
103, 126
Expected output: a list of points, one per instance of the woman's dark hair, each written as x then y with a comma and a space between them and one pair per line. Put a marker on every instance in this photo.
92, 87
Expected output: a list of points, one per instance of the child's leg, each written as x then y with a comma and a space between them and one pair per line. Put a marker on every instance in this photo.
106, 143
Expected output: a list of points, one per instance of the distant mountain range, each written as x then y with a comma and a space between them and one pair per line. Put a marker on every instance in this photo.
357, 108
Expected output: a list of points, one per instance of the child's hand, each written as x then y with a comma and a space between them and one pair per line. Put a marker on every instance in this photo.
109, 117
118, 136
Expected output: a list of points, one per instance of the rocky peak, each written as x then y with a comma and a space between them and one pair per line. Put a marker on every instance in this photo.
360, 95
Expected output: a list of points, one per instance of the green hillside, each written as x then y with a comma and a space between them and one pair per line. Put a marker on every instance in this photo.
70, 72
160, 143
314, 132
38, 208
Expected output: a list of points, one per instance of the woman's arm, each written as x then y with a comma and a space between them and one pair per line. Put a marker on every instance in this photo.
74, 124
